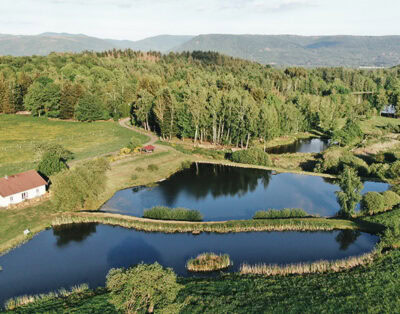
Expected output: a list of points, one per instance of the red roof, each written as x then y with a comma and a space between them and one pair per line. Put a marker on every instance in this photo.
149, 147
20, 182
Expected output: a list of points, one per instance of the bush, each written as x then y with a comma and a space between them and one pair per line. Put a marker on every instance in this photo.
372, 203
284, 213
165, 213
391, 199
134, 143
152, 167
252, 156
144, 289
379, 170
50, 164
139, 169
208, 262
394, 170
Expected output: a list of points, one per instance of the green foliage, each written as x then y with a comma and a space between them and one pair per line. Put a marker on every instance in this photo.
152, 167
165, 213
75, 188
56, 150
252, 156
43, 99
349, 195
391, 199
349, 134
134, 143
186, 164
50, 164
372, 203
394, 170
283, 213
88, 109
206, 262
143, 289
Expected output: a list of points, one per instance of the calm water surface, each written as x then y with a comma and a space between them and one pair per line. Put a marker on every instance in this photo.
311, 145
224, 193
85, 253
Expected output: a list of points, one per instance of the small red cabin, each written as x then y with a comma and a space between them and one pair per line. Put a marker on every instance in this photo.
148, 149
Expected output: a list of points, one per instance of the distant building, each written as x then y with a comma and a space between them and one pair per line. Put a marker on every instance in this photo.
20, 187
389, 111
148, 149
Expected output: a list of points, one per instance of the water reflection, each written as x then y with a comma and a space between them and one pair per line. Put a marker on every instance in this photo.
313, 145
73, 233
224, 193
41, 265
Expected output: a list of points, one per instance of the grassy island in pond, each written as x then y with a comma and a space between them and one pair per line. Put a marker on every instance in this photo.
208, 262
165, 213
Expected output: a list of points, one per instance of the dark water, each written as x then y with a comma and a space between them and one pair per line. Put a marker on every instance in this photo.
311, 145
224, 193
85, 253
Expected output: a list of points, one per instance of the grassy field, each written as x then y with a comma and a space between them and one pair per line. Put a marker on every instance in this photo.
19, 136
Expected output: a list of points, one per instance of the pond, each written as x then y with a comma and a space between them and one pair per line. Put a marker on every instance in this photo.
310, 145
84, 253
231, 193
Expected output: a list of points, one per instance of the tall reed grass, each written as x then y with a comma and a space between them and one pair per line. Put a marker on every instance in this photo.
307, 268
280, 213
17, 302
166, 213
208, 262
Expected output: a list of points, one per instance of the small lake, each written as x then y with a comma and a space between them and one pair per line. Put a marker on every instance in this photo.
232, 193
84, 253
310, 145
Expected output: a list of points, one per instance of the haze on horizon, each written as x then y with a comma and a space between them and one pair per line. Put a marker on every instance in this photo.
137, 19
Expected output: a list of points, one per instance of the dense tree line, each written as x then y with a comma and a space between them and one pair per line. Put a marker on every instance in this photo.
198, 95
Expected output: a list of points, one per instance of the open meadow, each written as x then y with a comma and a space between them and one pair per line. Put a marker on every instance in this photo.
20, 135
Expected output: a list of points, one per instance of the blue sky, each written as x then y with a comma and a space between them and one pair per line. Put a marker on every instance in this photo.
137, 19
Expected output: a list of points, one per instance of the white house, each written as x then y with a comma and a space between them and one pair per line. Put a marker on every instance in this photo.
22, 186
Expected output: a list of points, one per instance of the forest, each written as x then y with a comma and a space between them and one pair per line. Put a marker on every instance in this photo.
204, 96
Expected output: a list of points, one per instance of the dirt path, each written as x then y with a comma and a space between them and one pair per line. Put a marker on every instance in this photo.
153, 138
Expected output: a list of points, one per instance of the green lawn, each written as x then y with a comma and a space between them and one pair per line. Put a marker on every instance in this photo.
19, 136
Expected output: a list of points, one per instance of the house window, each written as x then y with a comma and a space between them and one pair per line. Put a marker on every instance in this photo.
24, 195
11, 199
37, 191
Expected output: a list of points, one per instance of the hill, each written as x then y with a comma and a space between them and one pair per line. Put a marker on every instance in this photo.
308, 51
46, 43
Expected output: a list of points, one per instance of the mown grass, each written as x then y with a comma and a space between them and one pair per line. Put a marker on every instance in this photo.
19, 136
277, 213
180, 214
207, 262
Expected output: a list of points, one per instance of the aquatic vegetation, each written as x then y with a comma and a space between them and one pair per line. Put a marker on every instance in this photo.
277, 213
166, 213
208, 262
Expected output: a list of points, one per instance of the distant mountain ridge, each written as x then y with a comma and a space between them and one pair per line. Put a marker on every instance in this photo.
43, 44
309, 51
279, 50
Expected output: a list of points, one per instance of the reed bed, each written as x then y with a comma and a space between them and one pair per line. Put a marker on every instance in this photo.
17, 302
307, 268
280, 213
206, 262
142, 224
179, 214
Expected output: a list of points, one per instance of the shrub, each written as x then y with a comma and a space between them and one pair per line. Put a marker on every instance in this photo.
394, 170
284, 213
372, 203
152, 167
208, 262
134, 177
379, 170
349, 134
252, 156
349, 195
354, 162
395, 188
165, 213
134, 143
391, 199
139, 169
144, 289
50, 164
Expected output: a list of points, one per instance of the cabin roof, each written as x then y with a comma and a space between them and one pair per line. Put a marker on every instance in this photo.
149, 147
20, 182
389, 109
